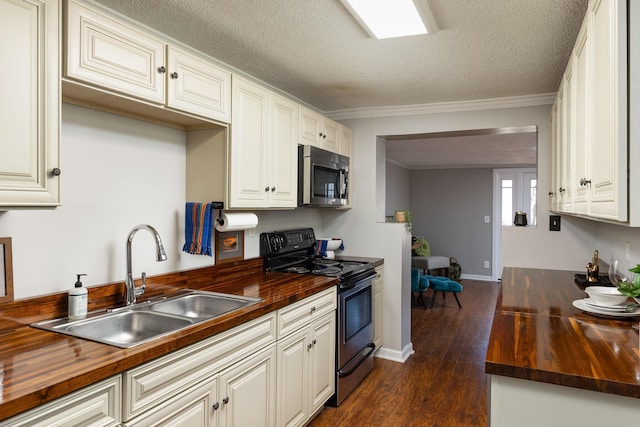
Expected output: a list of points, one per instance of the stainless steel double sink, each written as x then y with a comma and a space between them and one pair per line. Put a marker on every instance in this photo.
135, 324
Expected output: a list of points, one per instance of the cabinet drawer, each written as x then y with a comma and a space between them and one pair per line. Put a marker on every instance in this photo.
303, 312
96, 405
156, 381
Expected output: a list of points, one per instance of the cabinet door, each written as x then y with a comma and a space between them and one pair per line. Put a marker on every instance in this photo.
293, 379
109, 54
566, 182
283, 153
608, 189
30, 103
322, 360
198, 87
582, 107
248, 391
553, 192
196, 407
310, 127
331, 135
248, 174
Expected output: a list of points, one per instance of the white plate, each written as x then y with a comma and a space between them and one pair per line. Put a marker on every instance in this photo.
618, 307
580, 304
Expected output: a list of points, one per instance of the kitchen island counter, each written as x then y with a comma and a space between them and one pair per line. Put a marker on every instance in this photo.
38, 366
558, 350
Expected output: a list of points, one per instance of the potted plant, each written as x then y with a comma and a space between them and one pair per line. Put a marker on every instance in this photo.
404, 215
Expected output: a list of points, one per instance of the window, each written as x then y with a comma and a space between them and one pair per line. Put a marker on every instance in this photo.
518, 191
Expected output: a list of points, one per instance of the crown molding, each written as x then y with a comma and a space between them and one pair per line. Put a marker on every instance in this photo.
443, 107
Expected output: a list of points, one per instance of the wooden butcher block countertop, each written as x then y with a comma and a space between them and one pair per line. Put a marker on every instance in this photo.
37, 366
538, 335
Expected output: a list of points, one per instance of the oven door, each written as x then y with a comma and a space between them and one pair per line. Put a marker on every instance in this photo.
355, 311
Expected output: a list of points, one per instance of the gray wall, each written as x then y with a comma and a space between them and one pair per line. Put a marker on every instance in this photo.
448, 207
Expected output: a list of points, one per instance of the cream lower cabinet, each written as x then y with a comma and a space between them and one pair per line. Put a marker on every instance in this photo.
30, 103
306, 358
108, 53
242, 395
96, 405
377, 306
263, 153
224, 380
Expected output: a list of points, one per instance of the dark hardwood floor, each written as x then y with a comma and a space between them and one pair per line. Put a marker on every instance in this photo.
443, 383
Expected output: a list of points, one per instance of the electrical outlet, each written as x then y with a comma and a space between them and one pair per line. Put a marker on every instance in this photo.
251, 232
627, 251
486, 264
487, 220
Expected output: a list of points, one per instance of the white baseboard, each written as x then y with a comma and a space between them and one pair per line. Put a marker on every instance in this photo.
395, 355
477, 277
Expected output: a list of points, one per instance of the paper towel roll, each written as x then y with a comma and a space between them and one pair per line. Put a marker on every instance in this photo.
236, 221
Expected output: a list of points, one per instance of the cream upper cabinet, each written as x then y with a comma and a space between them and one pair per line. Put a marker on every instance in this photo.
197, 86
580, 110
319, 131
30, 104
608, 166
263, 162
106, 52
113, 55
590, 120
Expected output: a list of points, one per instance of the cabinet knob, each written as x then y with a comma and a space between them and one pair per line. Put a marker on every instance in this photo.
173, 75
216, 406
273, 189
551, 193
584, 181
308, 347
162, 70
266, 188
313, 308
314, 341
225, 400
324, 136
320, 134
56, 171
561, 190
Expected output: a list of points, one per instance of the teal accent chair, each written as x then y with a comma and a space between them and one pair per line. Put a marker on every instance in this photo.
443, 284
418, 286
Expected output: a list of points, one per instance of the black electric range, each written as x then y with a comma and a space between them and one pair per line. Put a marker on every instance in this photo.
295, 251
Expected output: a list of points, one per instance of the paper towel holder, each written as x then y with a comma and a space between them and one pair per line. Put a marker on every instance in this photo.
219, 206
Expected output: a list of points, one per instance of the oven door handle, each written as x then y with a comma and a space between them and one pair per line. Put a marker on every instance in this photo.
372, 348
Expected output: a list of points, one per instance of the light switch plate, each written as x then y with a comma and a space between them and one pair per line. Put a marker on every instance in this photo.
554, 222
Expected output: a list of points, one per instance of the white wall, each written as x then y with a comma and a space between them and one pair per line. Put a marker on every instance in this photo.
397, 179
116, 173
363, 225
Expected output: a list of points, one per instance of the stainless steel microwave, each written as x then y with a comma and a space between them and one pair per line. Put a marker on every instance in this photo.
323, 177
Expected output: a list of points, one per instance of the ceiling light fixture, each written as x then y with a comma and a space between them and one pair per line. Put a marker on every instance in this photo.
384, 19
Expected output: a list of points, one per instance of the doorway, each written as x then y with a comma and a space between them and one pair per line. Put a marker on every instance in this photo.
514, 190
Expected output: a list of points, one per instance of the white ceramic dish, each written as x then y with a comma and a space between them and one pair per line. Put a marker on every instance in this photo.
605, 295
613, 308
581, 305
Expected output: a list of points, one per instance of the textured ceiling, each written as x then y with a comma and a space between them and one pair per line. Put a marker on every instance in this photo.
316, 51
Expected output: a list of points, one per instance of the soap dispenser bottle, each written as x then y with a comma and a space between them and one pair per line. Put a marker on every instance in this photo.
78, 300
